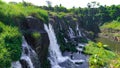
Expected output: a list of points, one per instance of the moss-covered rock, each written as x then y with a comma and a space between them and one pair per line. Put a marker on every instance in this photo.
36, 36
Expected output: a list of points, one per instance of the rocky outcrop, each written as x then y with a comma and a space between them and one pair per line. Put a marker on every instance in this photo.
24, 64
69, 31
40, 43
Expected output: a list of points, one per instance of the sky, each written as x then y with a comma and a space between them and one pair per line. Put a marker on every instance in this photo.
70, 3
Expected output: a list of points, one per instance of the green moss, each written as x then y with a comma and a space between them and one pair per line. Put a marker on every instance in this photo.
36, 35
63, 45
83, 40
10, 45
74, 19
61, 14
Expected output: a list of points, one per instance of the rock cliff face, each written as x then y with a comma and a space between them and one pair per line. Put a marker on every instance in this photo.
69, 31
39, 43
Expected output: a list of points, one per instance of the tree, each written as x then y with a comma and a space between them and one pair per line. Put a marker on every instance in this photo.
24, 3
49, 3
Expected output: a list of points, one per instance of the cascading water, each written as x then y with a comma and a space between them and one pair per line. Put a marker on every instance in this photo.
27, 53
77, 29
16, 64
55, 53
71, 33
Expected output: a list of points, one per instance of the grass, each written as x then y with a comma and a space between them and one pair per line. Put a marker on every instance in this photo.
11, 12
112, 25
115, 63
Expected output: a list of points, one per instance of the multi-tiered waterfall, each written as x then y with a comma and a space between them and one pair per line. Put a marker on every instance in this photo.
56, 58
54, 50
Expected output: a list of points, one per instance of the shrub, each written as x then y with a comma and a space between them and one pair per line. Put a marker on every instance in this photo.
10, 45
5, 60
100, 57
118, 19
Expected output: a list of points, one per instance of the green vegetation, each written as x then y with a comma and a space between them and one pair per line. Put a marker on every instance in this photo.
113, 45
61, 14
65, 46
36, 35
91, 16
12, 13
115, 63
10, 45
112, 25
100, 55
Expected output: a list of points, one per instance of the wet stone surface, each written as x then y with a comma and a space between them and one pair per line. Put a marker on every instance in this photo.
75, 56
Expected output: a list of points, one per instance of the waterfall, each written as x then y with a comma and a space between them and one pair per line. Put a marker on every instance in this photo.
54, 50
55, 53
16, 64
77, 29
71, 33
27, 53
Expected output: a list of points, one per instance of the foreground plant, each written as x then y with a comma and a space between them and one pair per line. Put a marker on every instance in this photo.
100, 55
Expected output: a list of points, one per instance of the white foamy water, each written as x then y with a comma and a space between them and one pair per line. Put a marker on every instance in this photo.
16, 64
77, 29
27, 51
71, 33
54, 50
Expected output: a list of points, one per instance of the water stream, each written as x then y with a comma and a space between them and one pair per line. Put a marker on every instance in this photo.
27, 55
54, 50
55, 56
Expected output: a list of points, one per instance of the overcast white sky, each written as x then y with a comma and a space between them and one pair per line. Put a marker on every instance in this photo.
70, 3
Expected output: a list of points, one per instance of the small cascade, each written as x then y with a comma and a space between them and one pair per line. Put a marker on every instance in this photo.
71, 33
55, 53
27, 54
16, 64
78, 31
